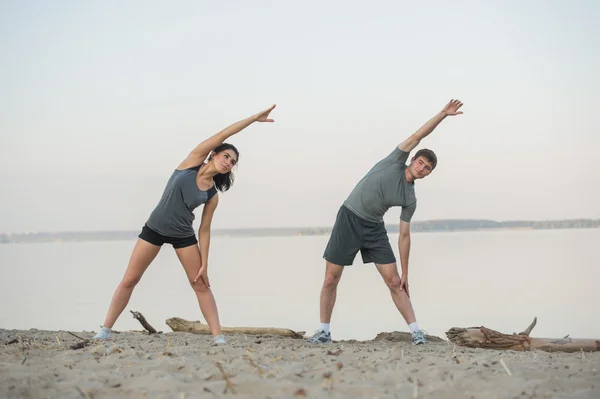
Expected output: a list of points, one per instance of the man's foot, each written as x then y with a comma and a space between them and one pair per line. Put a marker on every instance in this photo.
418, 338
320, 337
104, 333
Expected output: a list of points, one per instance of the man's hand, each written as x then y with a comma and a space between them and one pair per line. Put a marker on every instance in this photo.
202, 275
404, 284
264, 116
452, 107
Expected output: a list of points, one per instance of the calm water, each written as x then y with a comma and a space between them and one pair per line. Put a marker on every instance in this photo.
498, 279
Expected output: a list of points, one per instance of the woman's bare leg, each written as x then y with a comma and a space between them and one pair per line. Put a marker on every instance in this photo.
143, 254
190, 259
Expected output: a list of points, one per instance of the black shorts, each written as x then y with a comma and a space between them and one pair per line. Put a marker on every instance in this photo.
154, 238
351, 234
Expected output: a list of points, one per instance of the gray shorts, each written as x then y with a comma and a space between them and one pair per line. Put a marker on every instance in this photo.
351, 234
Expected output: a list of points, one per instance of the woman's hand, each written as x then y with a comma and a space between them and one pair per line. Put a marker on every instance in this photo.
264, 116
202, 275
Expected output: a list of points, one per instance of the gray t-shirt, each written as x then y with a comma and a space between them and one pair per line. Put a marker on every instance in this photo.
383, 187
174, 214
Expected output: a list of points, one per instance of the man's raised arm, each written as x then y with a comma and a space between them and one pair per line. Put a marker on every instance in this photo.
451, 109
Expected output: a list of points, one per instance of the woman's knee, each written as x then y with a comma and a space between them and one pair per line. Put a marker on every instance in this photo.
199, 286
130, 282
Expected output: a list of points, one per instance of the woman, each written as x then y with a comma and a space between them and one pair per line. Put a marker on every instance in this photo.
206, 170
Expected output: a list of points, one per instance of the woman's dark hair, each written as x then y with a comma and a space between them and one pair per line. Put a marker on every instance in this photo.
223, 182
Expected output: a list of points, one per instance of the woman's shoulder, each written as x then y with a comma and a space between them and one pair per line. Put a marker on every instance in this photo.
186, 171
211, 192
191, 168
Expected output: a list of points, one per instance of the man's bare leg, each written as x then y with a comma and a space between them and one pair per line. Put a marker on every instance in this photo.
333, 274
390, 275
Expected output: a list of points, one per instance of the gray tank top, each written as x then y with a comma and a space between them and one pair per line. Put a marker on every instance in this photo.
174, 214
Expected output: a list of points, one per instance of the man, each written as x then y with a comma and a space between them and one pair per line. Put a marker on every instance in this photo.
359, 225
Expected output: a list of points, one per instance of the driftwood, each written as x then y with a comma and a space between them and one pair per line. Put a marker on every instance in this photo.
196, 327
482, 337
228, 383
81, 344
140, 317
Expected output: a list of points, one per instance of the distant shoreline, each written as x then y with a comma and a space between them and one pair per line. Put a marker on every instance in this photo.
429, 226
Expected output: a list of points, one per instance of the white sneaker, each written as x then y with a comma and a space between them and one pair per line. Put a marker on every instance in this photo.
220, 340
320, 337
418, 338
104, 333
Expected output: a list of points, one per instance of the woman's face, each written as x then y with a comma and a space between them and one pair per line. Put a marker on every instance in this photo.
224, 161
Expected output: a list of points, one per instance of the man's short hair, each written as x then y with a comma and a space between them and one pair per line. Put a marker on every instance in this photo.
428, 155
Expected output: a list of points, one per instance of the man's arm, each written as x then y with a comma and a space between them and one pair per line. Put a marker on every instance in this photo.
414, 139
404, 246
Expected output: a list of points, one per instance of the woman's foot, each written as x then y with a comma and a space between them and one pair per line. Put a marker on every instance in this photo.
104, 333
219, 339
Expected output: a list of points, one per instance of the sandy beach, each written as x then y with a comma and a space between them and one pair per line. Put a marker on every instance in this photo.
40, 364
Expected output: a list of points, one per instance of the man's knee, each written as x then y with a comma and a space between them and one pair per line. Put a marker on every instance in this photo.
332, 280
394, 282
333, 274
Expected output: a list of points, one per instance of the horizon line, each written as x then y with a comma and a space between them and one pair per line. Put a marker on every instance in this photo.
322, 227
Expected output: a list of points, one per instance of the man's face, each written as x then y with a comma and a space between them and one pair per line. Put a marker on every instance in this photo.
420, 167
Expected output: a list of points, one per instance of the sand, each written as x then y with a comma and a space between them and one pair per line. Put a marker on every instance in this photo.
183, 365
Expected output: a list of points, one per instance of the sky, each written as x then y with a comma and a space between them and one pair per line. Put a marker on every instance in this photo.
100, 101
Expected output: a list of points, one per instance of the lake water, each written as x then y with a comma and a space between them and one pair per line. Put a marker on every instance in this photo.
500, 279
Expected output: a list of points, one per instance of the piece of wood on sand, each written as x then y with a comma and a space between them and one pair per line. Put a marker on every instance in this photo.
196, 327
82, 342
483, 337
140, 317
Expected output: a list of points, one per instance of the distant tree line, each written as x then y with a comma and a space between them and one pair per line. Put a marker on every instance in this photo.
473, 224
423, 226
